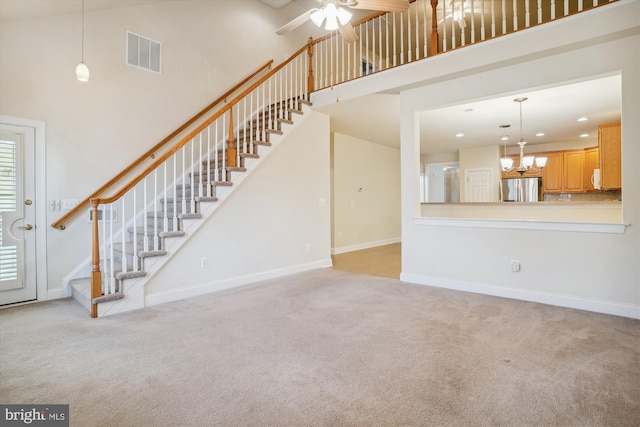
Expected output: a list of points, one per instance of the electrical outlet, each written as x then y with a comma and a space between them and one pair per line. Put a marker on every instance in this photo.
203, 262
515, 266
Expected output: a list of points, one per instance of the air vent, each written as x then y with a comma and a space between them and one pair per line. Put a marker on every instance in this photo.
143, 52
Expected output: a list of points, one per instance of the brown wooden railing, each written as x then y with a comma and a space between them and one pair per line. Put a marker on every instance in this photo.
150, 154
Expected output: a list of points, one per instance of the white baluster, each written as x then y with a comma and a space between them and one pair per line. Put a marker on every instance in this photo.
387, 38
145, 242
504, 17
156, 243
540, 11
425, 35
135, 264
473, 22
409, 48
445, 37
493, 20
123, 228
108, 210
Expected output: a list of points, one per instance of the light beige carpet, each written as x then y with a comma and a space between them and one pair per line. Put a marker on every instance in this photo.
326, 348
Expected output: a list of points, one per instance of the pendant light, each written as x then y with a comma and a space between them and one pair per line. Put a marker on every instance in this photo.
526, 162
82, 71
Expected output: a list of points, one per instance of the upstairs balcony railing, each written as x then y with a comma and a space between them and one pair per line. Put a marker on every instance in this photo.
428, 28
191, 165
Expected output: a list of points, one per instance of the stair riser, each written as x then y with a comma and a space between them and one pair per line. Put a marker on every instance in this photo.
179, 207
187, 192
140, 239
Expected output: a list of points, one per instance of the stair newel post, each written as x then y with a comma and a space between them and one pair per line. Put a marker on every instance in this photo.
434, 27
231, 147
96, 274
310, 78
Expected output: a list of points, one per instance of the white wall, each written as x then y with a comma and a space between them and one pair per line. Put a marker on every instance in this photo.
276, 222
597, 271
366, 194
94, 129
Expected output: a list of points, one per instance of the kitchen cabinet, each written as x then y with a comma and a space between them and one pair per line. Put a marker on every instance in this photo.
609, 141
573, 172
591, 162
552, 173
564, 172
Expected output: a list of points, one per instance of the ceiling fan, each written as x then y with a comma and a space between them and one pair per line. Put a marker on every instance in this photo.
459, 9
335, 15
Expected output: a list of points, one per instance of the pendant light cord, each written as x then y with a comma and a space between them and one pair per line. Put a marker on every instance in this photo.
82, 52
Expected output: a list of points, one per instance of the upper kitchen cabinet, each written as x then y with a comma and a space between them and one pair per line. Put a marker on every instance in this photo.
591, 163
573, 173
609, 141
552, 173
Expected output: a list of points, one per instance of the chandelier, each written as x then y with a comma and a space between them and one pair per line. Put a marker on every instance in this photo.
526, 162
332, 14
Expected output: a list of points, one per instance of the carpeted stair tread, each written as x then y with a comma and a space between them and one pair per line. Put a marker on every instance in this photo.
129, 248
165, 234
130, 274
110, 297
190, 216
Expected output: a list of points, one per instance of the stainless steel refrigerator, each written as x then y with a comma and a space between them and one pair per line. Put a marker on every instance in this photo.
522, 190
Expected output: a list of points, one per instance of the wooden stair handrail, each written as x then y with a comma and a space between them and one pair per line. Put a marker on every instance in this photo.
60, 223
196, 131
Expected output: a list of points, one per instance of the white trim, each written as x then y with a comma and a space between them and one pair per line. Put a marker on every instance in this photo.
234, 282
361, 246
569, 301
582, 227
41, 196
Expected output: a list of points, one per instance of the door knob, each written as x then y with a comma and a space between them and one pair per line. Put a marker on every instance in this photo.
26, 227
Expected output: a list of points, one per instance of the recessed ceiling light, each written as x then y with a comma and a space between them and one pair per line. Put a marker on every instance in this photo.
582, 119
540, 134
459, 135
504, 138
468, 110
584, 135
505, 126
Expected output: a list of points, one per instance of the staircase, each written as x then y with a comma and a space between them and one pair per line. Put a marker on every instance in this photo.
142, 225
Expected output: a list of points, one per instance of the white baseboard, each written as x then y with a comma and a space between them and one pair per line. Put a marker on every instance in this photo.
361, 246
598, 306
58, 293
206, 288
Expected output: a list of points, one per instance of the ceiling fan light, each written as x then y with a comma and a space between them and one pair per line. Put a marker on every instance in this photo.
344, 16
317, 17
330, 11
331, 25
82, 72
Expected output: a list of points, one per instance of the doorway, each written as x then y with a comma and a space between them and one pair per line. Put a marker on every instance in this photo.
20, 227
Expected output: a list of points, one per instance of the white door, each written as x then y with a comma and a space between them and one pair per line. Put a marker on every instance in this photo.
478, 185
17, 215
